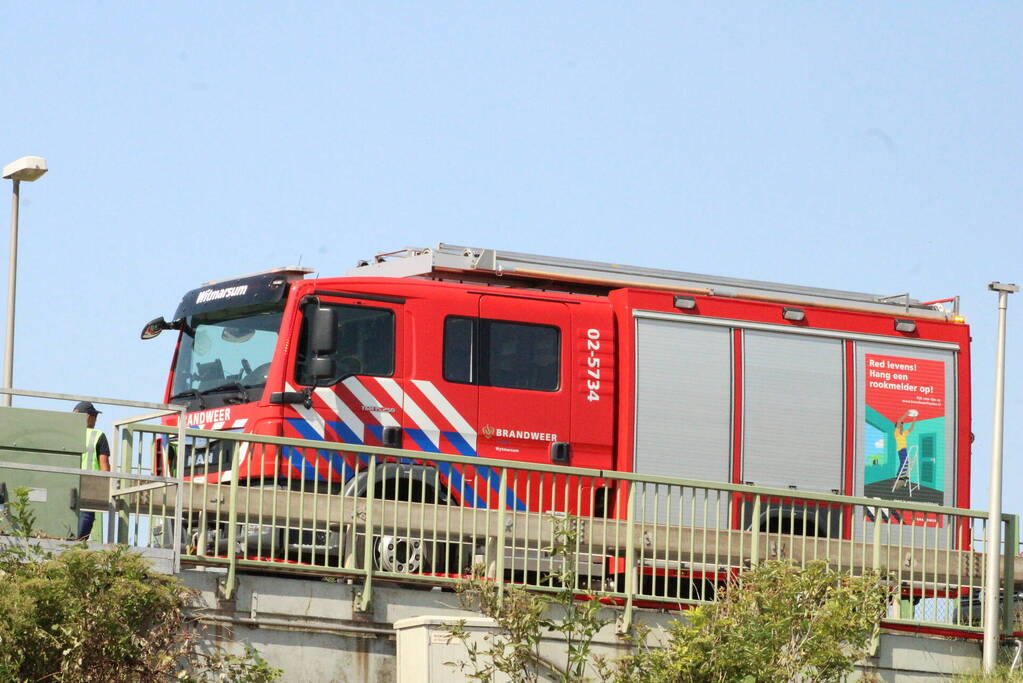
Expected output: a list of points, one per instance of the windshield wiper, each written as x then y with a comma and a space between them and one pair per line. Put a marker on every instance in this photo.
191, 393
242, 397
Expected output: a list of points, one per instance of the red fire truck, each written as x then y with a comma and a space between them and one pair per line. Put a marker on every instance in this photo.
493, 354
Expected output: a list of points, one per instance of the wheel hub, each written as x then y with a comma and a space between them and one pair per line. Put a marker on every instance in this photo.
399, 555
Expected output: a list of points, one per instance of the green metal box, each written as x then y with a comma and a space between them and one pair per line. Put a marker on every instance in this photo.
50, 439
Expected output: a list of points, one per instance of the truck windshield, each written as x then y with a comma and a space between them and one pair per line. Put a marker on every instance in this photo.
229, 354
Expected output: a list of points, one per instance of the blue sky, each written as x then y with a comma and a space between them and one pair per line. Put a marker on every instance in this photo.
864, 146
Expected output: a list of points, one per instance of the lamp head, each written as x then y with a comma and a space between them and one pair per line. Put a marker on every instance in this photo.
1003, 287
25, 168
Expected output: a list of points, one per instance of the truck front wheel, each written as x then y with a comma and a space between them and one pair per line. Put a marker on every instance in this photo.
401, 555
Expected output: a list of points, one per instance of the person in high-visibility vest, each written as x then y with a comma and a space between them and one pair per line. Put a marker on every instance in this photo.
96, 456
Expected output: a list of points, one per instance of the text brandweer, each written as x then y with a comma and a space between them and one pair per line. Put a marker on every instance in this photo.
520, 434
215, 415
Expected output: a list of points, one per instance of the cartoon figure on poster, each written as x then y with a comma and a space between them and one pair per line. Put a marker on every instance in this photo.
902, 440
904, 437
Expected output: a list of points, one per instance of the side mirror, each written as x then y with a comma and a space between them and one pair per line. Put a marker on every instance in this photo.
154, 327
322, 368
323, 331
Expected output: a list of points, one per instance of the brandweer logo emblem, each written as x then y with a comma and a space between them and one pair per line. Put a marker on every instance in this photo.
488, 431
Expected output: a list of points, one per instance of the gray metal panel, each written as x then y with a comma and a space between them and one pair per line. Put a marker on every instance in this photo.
793, 401
683, 400
42, 430
683, 417
47, 438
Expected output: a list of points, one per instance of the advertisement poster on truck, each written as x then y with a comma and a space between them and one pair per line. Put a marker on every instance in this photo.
904, 435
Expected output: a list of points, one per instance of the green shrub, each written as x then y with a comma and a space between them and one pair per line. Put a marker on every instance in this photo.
87, 616
776, 623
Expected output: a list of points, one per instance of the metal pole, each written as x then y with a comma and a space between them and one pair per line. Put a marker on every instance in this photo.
994, 520
12, 276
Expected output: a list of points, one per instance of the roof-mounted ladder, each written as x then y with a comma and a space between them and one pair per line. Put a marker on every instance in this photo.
453, 262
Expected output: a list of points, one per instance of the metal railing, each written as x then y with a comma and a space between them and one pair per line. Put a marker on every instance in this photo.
372, 513
98, 488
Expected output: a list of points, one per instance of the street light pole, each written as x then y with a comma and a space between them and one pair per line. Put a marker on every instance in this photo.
994, 518
12, 279
29, 169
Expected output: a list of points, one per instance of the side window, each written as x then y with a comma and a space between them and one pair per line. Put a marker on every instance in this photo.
458, 350
511, 355
365, 343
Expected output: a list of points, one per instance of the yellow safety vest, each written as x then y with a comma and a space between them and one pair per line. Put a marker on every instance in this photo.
89, 455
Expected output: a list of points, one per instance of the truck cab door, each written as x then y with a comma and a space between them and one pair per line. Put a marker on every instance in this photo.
362, 403
524, 385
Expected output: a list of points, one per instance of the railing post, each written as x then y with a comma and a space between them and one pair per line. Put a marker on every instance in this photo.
118, 516
754, 547
877, 541
362, 601
200, 541
232, 527
1011, 549
123, 445
875, 640
179, 493
625, 622
501, 535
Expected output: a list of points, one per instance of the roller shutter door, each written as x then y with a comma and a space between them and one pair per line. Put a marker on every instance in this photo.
793, 404
683, 414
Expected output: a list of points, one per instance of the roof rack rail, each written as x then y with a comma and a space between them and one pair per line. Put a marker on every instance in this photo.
456, 262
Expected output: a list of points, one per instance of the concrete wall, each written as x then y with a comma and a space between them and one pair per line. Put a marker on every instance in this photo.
910, 658
425, 647
311, 630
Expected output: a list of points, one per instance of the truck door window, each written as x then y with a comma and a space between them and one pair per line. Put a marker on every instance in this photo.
365, 343
458, 350
512, 355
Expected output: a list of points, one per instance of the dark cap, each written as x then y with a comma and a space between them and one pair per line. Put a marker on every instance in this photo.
85, 407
